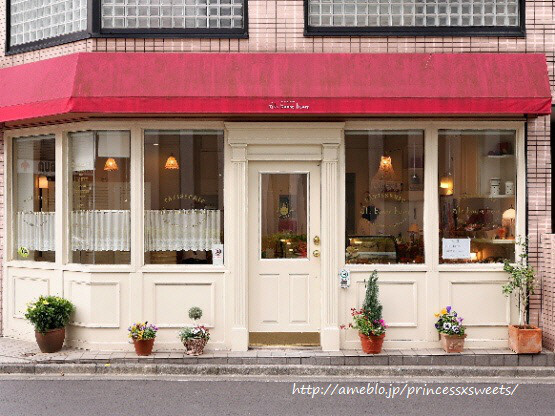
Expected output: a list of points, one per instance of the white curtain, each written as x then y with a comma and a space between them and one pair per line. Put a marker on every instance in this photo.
36, 231
101, 230
110, 230
184, 229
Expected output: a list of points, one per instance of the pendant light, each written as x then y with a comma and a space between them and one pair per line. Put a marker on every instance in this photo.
446, 181
171, 163
43, 182
385, 170
110, 164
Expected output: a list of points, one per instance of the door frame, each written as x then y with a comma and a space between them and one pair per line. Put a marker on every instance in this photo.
283, 141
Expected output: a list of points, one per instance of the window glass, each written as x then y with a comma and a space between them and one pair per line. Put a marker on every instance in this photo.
413, 13
34, 190
477, 184
174, 14
100, 217
32, 20
284, 215
384, 197
183, 186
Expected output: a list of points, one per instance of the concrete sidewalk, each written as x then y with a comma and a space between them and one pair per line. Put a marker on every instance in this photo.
24, 357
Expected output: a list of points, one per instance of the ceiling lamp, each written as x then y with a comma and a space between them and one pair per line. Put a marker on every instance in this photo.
43, 182
110, 165
446, 183
171, 163
385, 170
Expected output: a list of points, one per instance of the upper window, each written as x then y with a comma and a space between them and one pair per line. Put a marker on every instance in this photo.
34, 193
441, 17
193, 15
384, 193
41, 20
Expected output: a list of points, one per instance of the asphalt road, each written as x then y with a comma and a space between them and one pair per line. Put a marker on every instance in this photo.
178, 396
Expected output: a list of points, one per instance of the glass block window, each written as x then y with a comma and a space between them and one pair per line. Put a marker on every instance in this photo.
35, 20
172, 14
413, 13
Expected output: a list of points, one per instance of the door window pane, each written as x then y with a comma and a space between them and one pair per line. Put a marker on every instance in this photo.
477, 186
284, 215
184, 206
384, 197
34, 190
100, 197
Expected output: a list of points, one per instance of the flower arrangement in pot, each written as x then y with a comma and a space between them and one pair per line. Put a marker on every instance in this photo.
49, 315
143, 335
368, 320
451, 330
195, 337
523, 338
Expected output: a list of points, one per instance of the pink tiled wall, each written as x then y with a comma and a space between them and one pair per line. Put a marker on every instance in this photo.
277, 26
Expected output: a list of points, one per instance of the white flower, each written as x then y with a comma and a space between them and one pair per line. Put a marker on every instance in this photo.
447, 326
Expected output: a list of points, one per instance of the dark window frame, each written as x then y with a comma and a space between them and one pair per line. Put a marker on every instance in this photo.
489, 31
94, 30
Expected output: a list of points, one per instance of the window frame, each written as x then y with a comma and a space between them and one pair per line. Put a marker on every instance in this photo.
432, 241
466, 31
94, 30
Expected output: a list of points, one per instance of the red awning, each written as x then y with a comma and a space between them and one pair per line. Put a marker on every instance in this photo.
264, 84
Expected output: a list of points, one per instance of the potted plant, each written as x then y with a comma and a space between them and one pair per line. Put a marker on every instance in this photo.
523, 338
451, 330
194, 338
143, 335
49, 315
368, 320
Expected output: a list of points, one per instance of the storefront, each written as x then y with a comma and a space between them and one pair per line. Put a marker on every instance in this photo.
244, 184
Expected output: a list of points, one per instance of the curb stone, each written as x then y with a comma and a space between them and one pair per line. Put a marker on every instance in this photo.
276, 370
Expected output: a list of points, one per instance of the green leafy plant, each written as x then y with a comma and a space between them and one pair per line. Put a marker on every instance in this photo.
49, 312
196, 331
449, 322
142, 331
368, 320
521, 282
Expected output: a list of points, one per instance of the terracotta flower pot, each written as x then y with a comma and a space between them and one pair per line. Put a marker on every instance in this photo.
452, 343
371, 344
51, 341
195, 346
143, 346
525, 339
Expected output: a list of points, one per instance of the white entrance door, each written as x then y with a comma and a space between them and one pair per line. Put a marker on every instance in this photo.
284, 251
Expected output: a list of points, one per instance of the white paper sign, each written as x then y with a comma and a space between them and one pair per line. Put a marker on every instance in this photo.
218, 254
456, 248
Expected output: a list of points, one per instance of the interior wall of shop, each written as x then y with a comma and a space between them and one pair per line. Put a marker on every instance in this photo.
277, 26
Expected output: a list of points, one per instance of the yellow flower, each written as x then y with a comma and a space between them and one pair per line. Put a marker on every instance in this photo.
444, 311
436, 315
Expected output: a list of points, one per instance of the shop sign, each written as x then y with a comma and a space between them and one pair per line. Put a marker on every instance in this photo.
41, 167
287, 105
218, 254
456, 248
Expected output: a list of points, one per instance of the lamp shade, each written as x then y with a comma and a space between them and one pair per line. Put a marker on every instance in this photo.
171, 163
43, 182
385, 170
509, 214
110, 164
446, 183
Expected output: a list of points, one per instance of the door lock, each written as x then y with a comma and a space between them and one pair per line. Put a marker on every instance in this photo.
316, 240
316, 253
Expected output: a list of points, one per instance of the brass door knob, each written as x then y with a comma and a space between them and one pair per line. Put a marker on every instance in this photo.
316, 240
316, 253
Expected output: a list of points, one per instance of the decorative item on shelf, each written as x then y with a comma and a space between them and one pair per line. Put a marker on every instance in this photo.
509, 219
451, 330
194, 338
143, 335
171, 163
509, 188
523, 338
49, 315
368, 320
494, 186
110, 164
42, 182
